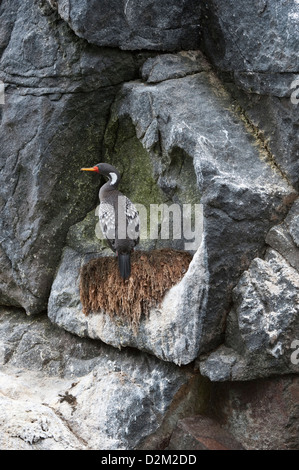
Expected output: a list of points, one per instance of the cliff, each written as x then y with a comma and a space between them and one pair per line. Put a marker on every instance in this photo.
197, 105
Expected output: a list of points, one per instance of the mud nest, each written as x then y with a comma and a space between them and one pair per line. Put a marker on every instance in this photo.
152, 274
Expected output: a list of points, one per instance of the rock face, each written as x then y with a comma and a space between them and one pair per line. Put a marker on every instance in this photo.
58, 94
197, 105
264, 322
168, 332
241, 192
134, 24
257, 56
201, 433
60, 379
261, 414
243, 43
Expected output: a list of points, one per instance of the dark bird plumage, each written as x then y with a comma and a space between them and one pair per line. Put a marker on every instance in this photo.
118, 218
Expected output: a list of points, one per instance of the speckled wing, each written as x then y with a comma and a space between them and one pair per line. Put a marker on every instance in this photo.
133, 222
107, 223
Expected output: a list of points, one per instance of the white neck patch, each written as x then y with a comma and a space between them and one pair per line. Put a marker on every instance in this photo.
113, 177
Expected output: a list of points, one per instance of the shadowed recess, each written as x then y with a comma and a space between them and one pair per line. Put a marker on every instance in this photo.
153, 273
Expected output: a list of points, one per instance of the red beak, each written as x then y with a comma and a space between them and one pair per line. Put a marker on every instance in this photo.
93, 168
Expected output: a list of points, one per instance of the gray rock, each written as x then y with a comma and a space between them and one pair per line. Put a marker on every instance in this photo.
262, 325
127, 400
57, 98
183, 138
58, 391
218, 365
261, 414
37, 345
275, 120
40, 200
262, 40
52, 60
27, 424
284, 238
264, 84
267, 303
170, 331
134, 24
168, 66
189, 123
201, 433
294, 227
193, 119
256, 55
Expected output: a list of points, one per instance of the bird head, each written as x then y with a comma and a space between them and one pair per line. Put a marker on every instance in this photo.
107, 170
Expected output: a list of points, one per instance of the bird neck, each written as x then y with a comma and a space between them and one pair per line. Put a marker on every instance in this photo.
113, 179
110, 185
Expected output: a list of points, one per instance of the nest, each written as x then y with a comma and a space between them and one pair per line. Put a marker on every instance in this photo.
152, 275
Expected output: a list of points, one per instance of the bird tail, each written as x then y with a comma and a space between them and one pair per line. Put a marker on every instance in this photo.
124, 264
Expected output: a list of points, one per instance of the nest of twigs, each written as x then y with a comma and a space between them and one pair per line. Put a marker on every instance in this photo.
152, 275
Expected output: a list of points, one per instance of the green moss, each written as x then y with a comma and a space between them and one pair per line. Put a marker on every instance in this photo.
149, 177
181, 170
126, 153
82, 236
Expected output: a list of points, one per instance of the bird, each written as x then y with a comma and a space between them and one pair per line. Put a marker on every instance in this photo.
118, 218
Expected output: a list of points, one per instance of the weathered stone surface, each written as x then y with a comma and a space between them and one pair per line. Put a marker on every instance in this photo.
58, 391
261, 414
184, 139
203, 125
192, 121
134, 24
36, 344
201, 433
262, 325
257, 36
170, 332
168, 66
57, 98
284, 238
51, 59
275, 119
28, 425
256, 55
267, 302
